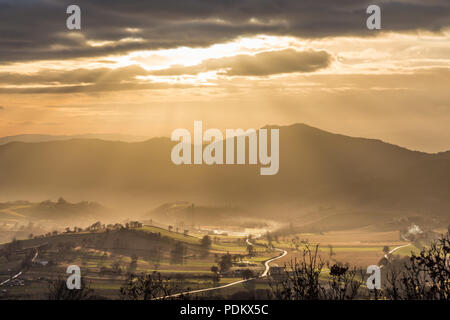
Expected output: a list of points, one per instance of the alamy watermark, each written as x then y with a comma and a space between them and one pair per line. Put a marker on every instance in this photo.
73, 22
374, 280
74, 280
213, 153
373, 22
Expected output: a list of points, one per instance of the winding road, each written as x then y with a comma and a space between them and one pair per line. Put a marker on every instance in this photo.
264, 274
267, 262
19, 273
395, 249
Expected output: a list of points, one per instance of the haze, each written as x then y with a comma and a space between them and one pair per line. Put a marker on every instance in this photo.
148, 69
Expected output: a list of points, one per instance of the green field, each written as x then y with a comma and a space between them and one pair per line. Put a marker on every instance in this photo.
97, 258
171, 234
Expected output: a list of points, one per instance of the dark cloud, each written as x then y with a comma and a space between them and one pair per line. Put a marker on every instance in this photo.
35, 29
80, 80
77, 76
125, 78
92, 88
261, 64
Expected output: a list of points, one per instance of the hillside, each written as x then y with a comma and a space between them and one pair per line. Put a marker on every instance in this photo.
192, 213
317, 169
50, 210
45, 137
444, 155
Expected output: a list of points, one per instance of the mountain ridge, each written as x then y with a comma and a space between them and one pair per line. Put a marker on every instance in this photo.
115, 137
36, 138
317, 168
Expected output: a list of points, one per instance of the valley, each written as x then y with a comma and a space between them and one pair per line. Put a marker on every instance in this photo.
225, 266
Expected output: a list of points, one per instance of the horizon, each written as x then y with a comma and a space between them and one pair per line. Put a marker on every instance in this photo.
147, 74
147, 138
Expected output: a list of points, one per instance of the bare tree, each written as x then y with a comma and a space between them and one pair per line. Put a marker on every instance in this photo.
58, 290
422, 276
343, 283
148, 287
301, 279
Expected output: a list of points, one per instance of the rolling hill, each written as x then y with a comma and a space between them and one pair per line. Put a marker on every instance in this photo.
444, 155
51, 211
45, 137
317, 169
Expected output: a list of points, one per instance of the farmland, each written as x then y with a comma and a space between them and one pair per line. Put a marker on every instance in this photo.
107, 257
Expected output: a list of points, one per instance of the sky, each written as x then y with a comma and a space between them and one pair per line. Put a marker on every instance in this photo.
149, 67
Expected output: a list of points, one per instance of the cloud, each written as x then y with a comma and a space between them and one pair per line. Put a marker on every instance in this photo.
35, 30
22, 123
92, 88
261, 64
80, 80
125, 78
77, 76
2, 108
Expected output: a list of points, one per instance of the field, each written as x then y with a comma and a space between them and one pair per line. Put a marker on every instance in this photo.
358, 247
106, 258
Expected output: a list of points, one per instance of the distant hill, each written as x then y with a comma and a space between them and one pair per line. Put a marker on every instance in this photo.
318, 169
444, 155
192, 213
45, 138
56, 211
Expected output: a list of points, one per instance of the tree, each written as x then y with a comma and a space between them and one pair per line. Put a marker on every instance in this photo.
147, 287
247, 274
423, 276
206, 242
205, 245
250, 285
95, 227
338, 270
269, 238
303, 282
28, 260
116, 267
215, 271
225, 263
250, 250
177, 254
343, 284
331, 252
58, 291
133, 263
